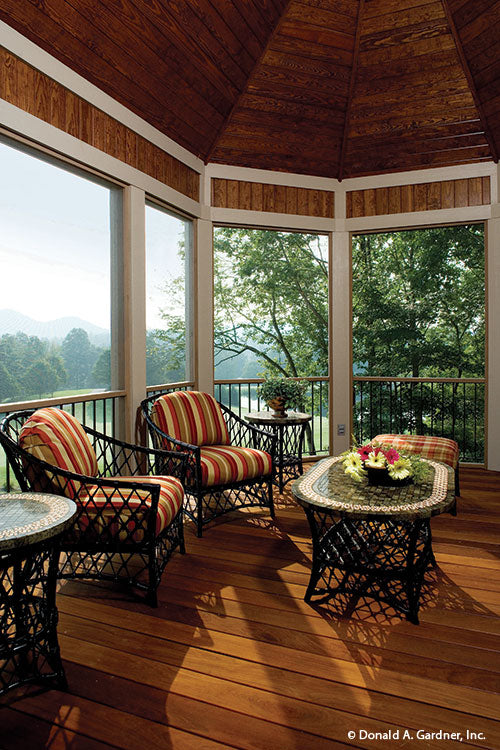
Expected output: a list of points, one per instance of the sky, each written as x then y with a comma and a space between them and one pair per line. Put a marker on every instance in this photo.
55, 243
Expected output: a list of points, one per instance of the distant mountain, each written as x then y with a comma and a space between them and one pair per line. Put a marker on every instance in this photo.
13, 322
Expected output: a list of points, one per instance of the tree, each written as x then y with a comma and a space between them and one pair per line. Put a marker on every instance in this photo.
101, 372
271, 298
41, 379
9, 386
79, 357
418, 303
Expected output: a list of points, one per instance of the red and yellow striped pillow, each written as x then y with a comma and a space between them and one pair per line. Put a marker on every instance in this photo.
192, 417
58, 438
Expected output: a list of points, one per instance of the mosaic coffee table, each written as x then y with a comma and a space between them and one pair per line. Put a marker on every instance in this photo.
31, 524
371, 541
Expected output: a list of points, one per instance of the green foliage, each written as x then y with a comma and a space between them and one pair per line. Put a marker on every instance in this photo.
418, 303
271, 299
41, 378
101, 371
291, 390
79, 357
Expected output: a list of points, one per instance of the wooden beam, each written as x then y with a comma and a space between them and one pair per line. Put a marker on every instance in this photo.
470, 79
352, 84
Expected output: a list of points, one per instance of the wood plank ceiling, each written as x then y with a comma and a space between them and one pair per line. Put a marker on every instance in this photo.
337, 88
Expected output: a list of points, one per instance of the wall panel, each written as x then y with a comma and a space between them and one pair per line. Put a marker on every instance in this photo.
425, 196
36, 93
281, 199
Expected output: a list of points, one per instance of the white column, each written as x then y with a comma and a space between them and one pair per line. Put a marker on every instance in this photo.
493, 340
203, 313
340, 343
134, 303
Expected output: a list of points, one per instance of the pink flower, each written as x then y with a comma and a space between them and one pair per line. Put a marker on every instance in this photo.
364, 451
391, 456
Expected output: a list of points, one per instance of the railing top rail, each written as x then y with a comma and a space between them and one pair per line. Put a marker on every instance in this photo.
182, 384
377, 379
60, 401
246, 381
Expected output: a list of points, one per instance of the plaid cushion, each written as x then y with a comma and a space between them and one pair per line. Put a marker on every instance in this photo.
58, 438
436, 448
191, 416
121, 511
222, 464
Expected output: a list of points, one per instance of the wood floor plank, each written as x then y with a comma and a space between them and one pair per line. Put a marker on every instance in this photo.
234, 658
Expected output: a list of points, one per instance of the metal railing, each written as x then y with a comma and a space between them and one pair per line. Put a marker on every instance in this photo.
158, 390
241, 396
446, 407
98, 411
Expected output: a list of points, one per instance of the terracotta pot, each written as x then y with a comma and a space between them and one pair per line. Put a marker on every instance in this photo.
278, 404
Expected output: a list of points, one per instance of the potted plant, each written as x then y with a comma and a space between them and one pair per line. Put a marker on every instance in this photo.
278, 393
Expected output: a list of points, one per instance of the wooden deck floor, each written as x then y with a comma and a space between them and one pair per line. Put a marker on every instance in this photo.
233, 657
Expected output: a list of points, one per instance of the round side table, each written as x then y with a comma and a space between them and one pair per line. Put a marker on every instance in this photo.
290, 431
31, 524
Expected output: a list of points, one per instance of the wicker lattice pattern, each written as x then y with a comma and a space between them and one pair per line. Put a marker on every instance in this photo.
105, 537
29, 650
203, 504
371, 541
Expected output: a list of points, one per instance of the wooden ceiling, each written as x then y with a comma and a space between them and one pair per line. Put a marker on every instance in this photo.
338, 88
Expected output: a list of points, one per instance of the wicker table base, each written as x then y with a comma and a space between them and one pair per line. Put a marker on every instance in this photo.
371, 541
30, 527
383, 560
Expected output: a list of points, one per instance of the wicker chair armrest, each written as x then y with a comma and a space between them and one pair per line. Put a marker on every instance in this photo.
243, 433
117, 457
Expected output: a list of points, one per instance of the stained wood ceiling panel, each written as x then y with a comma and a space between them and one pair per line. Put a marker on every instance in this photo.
180, 65
336, 88
292, 113
411, 105
476, 25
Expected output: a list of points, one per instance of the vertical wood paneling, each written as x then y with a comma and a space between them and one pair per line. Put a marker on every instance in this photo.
426, 196
36, 93
256, 196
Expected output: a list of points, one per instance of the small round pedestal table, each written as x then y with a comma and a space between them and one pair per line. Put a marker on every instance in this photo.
31, 524
290, 431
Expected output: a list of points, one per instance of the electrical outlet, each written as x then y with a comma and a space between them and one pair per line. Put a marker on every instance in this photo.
341, 429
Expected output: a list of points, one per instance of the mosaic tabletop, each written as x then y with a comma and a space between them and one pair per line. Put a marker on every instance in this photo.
30, 517
327, 486
266, 417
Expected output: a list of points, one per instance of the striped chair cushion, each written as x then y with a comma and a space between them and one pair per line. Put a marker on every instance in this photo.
192, 417
58, 438
104, 507
222, 464
436, 448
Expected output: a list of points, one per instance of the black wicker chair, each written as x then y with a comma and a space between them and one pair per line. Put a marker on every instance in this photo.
209, 495
128, 522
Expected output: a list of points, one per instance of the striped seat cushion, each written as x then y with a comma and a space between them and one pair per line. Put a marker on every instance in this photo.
58, 438
436, 448
223, 464
192, 417
121, 512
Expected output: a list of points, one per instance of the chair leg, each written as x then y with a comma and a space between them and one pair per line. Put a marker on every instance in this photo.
457, 481
271, 498
199, 516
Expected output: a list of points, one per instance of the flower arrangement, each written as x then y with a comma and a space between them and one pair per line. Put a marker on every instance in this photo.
397, 467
